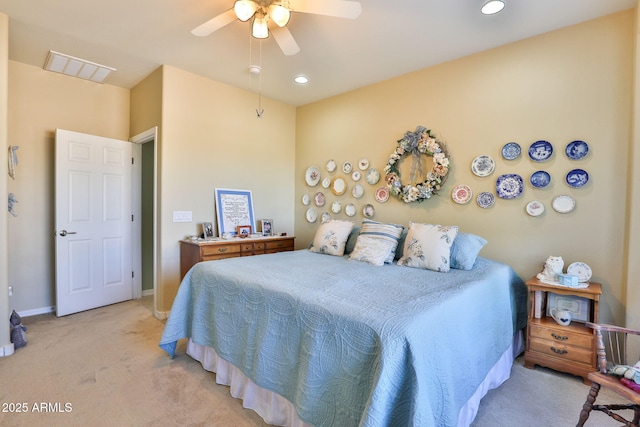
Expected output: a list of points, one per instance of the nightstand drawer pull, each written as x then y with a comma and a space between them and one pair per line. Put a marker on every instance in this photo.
559, 337
556, 351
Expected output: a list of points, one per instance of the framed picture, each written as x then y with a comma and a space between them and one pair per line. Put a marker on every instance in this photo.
243, 230
579, 307
266, 226
234, 208
207, 230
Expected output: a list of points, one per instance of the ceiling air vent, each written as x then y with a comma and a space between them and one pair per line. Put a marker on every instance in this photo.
65, 64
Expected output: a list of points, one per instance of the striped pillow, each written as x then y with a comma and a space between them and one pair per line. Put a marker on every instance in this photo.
379, 230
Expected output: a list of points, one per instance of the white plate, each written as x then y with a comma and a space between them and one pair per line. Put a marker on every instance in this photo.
373, 176
535, 208
306, 199
363, 164
563, 204
346, 167
312, 176
350, 209
368, 211
357, 191
461, 194
338, 186
356, 175
326, 183
331, 165
312, 215
336, 207
326, 217
382, 194
483, 165
318, 199
580, 269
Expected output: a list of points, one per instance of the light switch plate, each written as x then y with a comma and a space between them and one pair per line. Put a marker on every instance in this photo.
182, 216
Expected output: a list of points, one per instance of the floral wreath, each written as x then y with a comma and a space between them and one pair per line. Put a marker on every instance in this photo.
417, 143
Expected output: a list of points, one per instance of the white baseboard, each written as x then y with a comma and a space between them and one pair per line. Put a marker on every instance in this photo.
36, 311
161, 315
7, 350
148, 292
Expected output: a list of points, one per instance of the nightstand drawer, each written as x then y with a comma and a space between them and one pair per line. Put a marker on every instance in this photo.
563, 336
556, 349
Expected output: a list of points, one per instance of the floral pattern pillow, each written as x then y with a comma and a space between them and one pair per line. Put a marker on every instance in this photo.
428, 246
331, 237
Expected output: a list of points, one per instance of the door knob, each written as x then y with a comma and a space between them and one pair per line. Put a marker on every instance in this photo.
65, 232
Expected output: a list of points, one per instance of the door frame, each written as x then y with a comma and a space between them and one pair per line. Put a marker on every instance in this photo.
137, 140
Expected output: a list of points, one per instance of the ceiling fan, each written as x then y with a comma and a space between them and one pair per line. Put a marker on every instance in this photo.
277, 12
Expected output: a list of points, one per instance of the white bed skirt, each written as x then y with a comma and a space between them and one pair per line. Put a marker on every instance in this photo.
276, 410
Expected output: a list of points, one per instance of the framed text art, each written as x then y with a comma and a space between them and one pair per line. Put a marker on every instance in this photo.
233, 208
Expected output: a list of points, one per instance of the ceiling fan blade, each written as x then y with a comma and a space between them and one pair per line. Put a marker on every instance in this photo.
215, 24
285, 40
337, 8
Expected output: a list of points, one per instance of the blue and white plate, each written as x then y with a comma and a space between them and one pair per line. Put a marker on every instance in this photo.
511, 150
540, 151
540, 179
576, 150
483, 165
485, 199
576, 178
509, 186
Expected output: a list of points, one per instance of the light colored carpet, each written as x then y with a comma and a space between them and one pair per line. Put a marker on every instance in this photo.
103, 367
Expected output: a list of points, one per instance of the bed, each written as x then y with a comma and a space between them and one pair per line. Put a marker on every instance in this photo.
310, 339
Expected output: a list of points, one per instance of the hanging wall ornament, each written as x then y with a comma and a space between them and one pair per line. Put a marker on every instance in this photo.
421, 186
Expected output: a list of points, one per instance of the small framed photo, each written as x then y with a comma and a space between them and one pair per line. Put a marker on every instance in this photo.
267, 227
207, 230
579, 307
243, 230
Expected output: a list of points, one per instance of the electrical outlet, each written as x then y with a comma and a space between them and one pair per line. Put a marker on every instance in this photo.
10, 290
182, 216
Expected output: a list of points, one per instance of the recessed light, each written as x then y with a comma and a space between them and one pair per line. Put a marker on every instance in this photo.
303, 80
492, 7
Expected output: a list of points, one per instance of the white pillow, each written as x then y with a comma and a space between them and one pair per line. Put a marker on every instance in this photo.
382, 231
371, 250
428, 246
331, 237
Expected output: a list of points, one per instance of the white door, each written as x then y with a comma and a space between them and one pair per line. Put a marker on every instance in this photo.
93, 222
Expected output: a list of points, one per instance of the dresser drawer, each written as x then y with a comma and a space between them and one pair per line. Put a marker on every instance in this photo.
225, 249
563, 351
279, 245
563, 336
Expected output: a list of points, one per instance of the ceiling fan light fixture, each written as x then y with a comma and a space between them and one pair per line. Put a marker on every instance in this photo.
245, 9
301, 80
259, 29
279, 14
491, 7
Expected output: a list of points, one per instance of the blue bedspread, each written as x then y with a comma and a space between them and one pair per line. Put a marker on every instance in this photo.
350, 344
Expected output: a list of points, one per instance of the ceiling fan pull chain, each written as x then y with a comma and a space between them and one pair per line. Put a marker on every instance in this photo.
260, 110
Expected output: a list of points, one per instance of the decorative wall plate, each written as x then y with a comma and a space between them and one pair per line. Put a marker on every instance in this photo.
540, 151
576, 150
338, 186
483, 165
346, 167
312, 215
576, 178
336, 207
382, 194
326, 183
326, 217
318, 199
356, 175
461, 194
509, 186
535, 208
368, 211
312, 176
357, 191
331, 165
485, 199
373, 176
306, 199
581, 270
350, 209
540, 179
363, 164
511, 150
563, 204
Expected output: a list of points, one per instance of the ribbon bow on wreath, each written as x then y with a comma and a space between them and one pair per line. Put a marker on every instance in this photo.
417, 143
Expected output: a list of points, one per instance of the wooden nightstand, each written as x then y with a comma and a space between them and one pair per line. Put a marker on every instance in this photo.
569, 348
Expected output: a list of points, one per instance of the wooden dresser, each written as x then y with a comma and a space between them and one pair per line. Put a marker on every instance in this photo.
208, 250
568, 348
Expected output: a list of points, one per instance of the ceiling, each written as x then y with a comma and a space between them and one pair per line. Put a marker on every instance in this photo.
390, 38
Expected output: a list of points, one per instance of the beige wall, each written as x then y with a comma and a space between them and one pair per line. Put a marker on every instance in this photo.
6, 348
574, 83
40, 102
211, 138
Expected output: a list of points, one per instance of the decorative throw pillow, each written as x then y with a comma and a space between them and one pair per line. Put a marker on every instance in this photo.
428, 246
371, 250
331, 237
465, 249
388, 232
